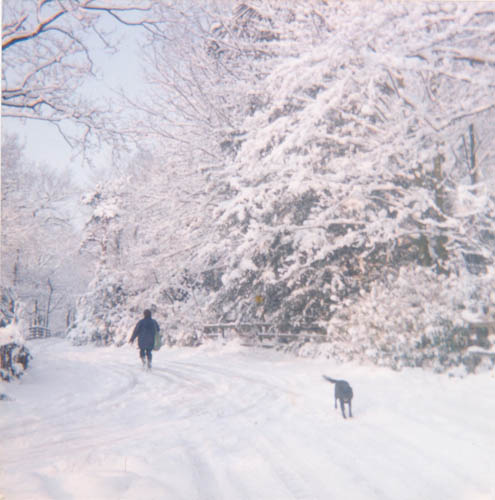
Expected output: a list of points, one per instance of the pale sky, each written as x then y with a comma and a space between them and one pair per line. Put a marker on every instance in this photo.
44, 144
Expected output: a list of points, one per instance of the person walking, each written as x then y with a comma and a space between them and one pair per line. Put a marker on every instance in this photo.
145, 332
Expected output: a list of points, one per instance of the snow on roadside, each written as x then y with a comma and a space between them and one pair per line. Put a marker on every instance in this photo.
11, 333
237, 423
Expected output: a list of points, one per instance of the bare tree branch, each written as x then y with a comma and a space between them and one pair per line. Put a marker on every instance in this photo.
21, 37
47, 55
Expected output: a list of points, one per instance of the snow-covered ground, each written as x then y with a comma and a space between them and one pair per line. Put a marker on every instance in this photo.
235, 423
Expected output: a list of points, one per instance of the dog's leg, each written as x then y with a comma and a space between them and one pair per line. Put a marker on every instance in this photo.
350, 408
336, 402
342, 407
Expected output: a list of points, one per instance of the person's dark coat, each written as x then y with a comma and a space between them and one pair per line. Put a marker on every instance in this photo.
145, 333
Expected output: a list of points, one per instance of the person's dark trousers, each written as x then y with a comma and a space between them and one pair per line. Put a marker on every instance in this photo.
146, 354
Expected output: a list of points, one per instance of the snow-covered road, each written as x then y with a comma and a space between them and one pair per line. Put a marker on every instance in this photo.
232, 423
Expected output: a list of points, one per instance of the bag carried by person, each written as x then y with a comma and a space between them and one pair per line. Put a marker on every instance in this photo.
158, 340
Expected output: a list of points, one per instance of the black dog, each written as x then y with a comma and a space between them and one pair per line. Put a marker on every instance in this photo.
343, 393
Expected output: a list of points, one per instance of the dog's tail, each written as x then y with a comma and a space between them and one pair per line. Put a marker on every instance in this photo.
330, 379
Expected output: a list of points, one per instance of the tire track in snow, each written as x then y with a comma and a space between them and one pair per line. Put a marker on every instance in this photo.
403, 453
234, 410
64, 428
69, 423
266, 451
63, 412
175, 382
290, 475
221, 384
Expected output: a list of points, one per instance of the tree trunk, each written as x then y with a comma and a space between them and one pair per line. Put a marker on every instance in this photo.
473, 168
48, 305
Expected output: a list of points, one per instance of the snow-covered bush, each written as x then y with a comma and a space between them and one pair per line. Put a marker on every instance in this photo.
14, 360
114, 303
14, 356
417, 318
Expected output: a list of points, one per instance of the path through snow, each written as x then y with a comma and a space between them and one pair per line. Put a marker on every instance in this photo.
234, 424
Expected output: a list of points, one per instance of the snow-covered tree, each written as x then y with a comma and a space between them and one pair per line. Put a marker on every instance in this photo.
306, 162
145, 230
39, 243
352, 167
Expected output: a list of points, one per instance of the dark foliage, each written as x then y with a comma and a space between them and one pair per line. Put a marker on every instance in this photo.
11, 356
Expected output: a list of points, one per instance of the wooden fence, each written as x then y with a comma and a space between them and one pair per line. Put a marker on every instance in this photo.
264, 333
482, 329
38, 332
